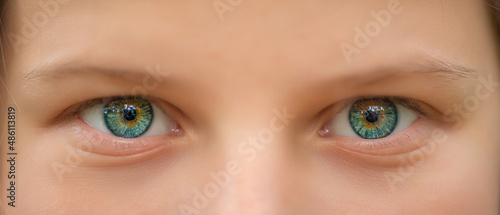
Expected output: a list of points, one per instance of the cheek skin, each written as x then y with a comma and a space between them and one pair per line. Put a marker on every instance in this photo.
459, 176
438, 183
450, 177
480, 150
61, 182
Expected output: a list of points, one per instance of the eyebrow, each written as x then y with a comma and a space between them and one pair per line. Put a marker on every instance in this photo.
420, 65
446, 70
130, 75
435, 65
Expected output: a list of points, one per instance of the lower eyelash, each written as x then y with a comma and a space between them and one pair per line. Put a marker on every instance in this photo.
104, 144
390, 145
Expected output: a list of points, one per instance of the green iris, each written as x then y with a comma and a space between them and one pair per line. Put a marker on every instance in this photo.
373, 118
128, 117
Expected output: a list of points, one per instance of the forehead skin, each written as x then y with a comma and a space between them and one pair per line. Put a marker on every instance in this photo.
264, 54
299, 38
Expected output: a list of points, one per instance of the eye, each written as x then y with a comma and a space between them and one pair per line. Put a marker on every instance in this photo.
373, 118
129, 117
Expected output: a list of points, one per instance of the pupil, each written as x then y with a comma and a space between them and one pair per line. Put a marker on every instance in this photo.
371, 116
129, 113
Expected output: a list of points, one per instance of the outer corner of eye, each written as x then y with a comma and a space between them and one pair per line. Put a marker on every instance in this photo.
94, 117
339, 125
406, 118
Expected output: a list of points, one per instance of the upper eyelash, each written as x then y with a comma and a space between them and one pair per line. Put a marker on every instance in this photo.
76, 109
411, 104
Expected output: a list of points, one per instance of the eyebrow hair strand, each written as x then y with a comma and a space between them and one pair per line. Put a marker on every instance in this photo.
129, 75
426, 64
439, 66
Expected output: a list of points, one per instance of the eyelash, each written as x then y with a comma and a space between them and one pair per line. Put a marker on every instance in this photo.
411, 104
77, 109
395, 143
99, 143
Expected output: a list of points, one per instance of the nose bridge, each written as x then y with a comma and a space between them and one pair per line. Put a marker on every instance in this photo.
250, 178
252, 187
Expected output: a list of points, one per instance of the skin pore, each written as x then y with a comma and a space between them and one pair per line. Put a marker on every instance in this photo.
254, 90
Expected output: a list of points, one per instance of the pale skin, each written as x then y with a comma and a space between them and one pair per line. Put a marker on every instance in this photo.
226, 77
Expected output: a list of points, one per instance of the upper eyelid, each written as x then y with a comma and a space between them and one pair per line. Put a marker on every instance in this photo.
420, 107
409, 103
76, 109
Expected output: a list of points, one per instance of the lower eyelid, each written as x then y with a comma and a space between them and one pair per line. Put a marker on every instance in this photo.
88, 140
412, 138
